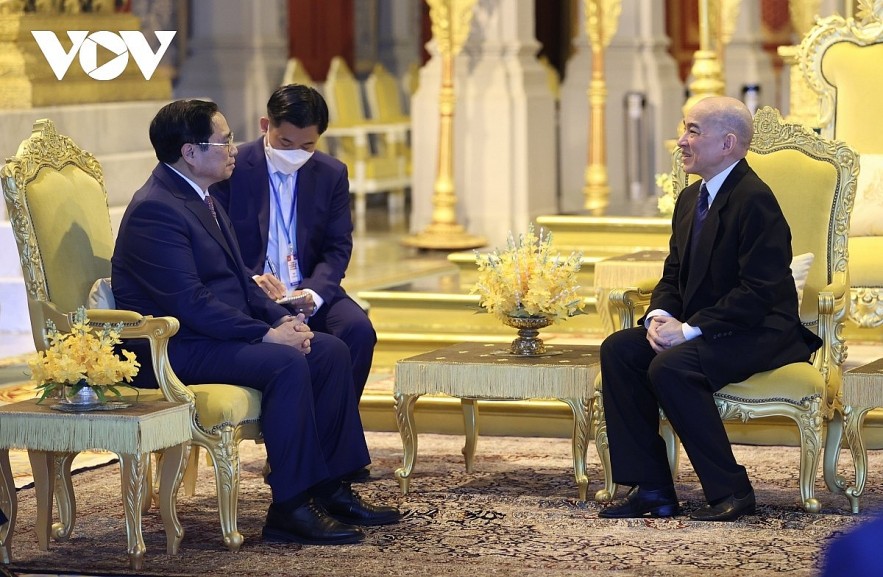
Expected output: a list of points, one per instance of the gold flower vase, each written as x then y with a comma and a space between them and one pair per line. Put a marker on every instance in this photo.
528, 343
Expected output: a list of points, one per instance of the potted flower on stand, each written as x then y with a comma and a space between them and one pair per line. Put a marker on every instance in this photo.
83, 364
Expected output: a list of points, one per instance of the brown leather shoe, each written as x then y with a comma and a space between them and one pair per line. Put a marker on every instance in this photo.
729, 509
309, 525
346, 506
642, 502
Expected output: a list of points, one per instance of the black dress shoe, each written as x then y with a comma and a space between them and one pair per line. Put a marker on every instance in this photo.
358, 476
309, 525
346, 506
729, 509
642, 502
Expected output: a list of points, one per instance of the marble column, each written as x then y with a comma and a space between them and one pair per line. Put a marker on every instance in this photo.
746, 64
504, 127
798, 101
238, 52
398, 35
637, 62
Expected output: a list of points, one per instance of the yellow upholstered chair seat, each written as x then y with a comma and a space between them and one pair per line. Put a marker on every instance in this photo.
220, 406
379, 168
839, 59
814, 182
798, 384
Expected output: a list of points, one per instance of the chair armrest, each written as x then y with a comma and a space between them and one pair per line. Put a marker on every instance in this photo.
626, 302
833, 307
383, 128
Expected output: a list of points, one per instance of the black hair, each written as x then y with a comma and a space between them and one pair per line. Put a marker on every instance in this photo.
179, 123
299, 105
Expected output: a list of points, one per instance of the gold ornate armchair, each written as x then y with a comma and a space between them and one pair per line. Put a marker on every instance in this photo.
814, 181
840, 61
57, 204
370, 149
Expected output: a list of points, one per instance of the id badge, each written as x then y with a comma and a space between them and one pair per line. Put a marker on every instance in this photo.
293, 271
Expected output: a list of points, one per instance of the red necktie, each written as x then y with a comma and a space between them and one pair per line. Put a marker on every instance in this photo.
211, 206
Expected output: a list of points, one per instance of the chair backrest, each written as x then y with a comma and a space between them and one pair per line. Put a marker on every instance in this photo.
410, 84
383, 96
344, 95
840, 61
296, 73
814, 180
553, 79
57, 204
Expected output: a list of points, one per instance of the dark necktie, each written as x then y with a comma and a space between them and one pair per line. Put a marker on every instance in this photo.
211, 206
699, 218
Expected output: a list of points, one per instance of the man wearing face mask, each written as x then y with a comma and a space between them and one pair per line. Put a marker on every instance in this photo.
290, 208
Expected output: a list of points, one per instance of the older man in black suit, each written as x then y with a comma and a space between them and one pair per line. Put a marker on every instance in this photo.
176, 254
724, 309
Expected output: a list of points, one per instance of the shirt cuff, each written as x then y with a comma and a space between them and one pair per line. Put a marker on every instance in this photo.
690, 333
317, 300
654, 313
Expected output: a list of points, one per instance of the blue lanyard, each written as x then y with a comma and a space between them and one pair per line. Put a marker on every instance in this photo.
286, 226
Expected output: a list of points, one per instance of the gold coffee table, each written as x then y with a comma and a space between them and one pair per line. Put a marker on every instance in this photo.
53, 438
481, 371
862, 391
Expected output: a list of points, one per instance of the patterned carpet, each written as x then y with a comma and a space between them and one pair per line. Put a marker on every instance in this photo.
516, 515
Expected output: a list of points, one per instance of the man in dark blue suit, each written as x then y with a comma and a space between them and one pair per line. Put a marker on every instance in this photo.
290, 207
176, 254
724, 309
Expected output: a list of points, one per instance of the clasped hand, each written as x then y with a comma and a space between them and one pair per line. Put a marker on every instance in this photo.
292, 331
664, 332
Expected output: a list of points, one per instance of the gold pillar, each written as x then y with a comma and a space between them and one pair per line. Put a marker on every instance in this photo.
706, 71
602, 17
450, 28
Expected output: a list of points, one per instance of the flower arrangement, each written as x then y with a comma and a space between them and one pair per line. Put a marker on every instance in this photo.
527, 280
83, 358
666, 202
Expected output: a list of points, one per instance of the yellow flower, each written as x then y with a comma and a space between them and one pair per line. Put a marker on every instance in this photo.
527, 280
83, 358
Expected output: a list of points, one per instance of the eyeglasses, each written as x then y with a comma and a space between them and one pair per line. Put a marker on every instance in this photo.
227, 144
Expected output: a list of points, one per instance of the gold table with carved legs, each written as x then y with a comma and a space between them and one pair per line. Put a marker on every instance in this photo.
53, 438
482, 371
862, 391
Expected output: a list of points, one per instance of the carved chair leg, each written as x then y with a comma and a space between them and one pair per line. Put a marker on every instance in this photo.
672, 446
599, 431
225, 459
810, 453
833, 444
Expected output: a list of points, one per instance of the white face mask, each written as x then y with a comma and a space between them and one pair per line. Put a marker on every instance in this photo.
286, 161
